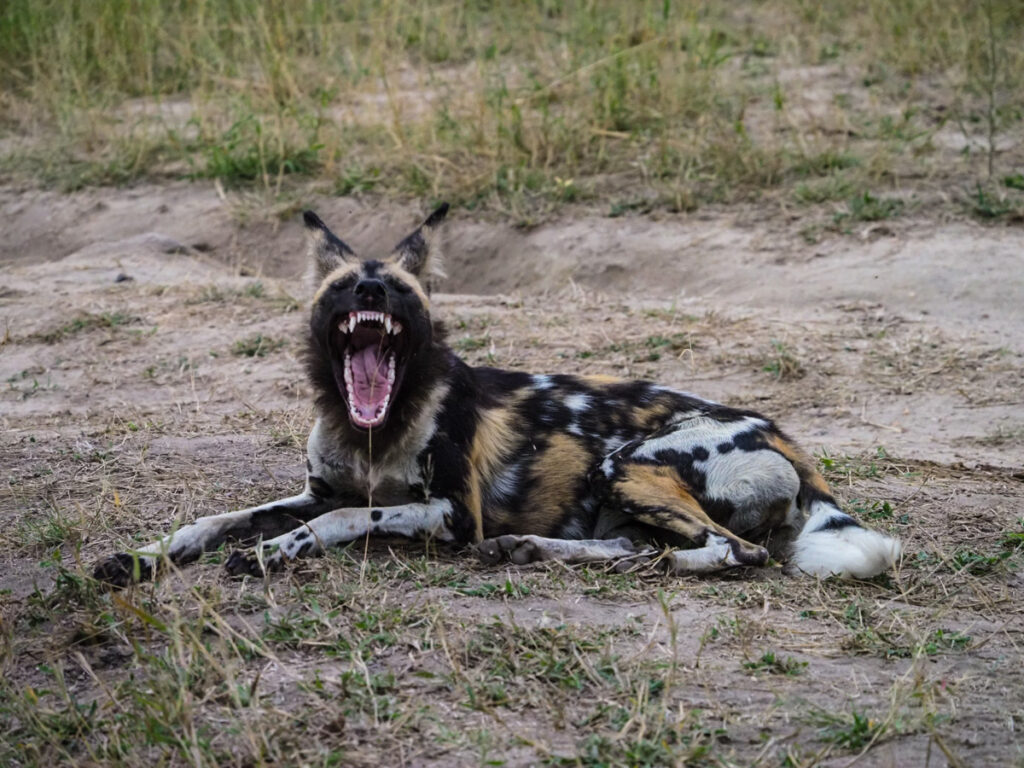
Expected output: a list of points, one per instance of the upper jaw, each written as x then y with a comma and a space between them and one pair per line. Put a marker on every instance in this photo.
369, 363
348, 324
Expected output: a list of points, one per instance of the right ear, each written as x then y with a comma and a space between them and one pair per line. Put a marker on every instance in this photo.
327, 250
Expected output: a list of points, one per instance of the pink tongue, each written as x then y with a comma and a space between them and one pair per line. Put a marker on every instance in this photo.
369, 381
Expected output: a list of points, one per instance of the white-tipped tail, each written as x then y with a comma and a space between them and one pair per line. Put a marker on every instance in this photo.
833, 543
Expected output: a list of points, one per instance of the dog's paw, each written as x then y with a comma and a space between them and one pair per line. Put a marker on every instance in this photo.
243, 562
123, 569
519, 549
252, 562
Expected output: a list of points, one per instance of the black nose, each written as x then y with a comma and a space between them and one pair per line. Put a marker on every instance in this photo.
370, 288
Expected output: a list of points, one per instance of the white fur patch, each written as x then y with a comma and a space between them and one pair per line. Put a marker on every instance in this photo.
699, 431
577, 402
542, 381
851, 552
715, 555
749, 478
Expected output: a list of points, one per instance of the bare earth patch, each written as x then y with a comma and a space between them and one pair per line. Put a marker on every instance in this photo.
152, 378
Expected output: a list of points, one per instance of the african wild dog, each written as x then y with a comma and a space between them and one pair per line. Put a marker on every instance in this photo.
411, 441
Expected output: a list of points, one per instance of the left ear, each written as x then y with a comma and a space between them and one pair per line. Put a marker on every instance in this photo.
418, 253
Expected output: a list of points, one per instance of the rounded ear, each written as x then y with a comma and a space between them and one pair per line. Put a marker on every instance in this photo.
418, 253
326, 250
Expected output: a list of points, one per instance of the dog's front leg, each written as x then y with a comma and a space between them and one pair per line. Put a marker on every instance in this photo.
433, 520
207, 533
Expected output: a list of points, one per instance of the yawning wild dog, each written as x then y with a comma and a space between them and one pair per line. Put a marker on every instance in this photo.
411, 441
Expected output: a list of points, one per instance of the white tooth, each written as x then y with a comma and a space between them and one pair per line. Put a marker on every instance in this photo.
351, 322
398, 327
387, 323
343, 326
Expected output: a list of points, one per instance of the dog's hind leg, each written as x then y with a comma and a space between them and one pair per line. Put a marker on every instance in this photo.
657, 496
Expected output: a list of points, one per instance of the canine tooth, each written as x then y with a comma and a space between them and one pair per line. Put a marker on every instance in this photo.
398, 327
387, 323
351, 322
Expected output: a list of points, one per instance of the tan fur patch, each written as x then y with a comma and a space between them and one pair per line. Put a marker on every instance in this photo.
337, 274
496, 432
599, 380
803, 464
652, 416
556, 473
409, 279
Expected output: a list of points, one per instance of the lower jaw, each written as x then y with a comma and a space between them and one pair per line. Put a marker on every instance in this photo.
366, 424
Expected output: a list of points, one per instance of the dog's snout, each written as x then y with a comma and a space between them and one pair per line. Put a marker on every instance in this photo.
371, 288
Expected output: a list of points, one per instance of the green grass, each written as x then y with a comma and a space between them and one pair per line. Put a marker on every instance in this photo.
256, 345
774, 664
852, 731
867, 207
782, 363
519, 108
87, 321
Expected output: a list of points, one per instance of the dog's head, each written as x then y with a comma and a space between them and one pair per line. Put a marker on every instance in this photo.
371, 332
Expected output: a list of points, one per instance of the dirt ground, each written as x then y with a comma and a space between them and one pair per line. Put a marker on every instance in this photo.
151, 355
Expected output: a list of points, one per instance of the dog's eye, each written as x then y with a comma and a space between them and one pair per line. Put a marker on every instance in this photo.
400, 286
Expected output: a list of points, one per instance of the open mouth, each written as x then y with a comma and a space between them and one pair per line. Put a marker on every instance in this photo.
372, 365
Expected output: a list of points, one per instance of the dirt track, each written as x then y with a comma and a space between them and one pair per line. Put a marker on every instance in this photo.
897, 352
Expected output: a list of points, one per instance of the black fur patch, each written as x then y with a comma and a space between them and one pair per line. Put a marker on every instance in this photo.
837, 523
320, 488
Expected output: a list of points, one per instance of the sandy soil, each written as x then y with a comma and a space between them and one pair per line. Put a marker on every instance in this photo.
897, 352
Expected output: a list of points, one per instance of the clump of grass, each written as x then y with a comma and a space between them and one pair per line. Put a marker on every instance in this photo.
853, 730
470, 343
516, 108
48, 531
977, 563
246, 153
87, 321
989, 203
774, 664
873, 510
867, 207
942, 640
257, 345
823, 190
782, 363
